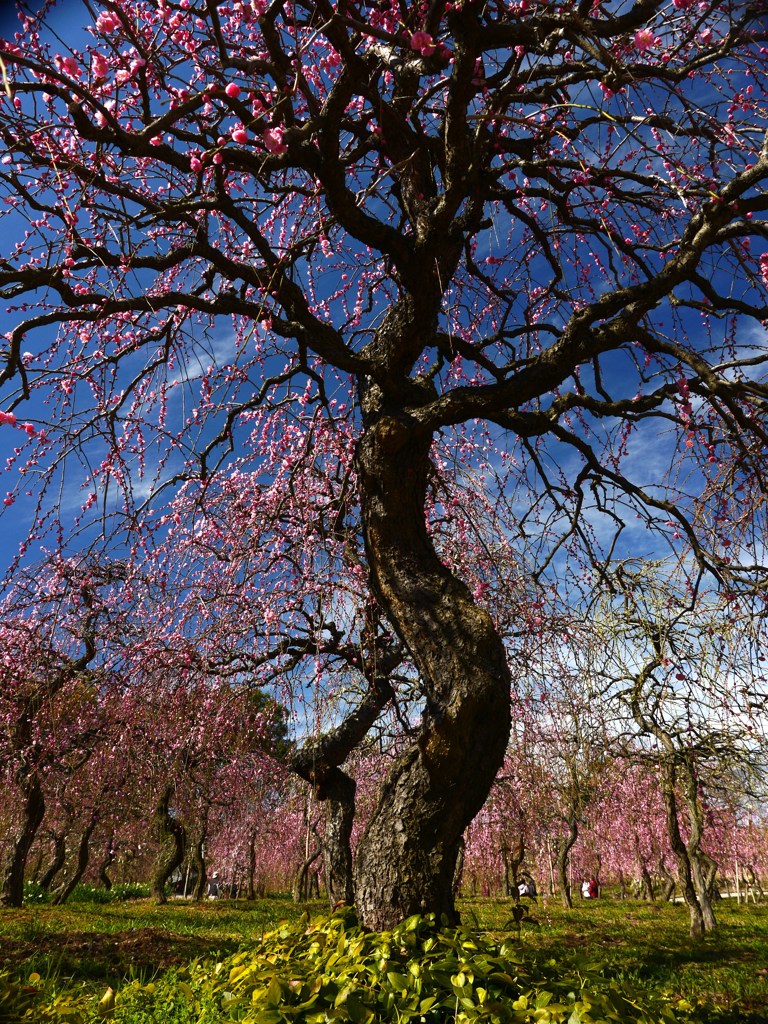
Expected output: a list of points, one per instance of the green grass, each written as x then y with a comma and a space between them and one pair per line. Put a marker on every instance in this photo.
82, 949
648, 944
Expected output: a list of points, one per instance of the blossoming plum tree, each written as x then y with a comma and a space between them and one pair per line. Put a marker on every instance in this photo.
543, 218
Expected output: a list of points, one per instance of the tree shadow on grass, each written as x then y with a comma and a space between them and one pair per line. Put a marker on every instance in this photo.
139, 952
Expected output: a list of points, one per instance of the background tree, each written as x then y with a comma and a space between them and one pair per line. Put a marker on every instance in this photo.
545, 218
686, 667
54, 625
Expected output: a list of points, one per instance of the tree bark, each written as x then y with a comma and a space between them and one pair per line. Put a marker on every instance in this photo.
172, 837
33, 811
251, 875
337, 852
407, 857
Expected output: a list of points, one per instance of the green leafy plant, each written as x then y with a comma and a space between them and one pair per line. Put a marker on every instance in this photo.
334, 971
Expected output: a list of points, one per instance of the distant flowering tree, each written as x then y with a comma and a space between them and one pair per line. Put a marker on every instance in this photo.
543, 222
57, 653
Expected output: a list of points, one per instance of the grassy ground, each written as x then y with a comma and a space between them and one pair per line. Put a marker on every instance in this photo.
88, 946
649, 944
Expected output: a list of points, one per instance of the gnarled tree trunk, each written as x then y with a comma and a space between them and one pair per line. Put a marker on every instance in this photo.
512, 866
562, 850
106, 862
407, 857
645, 874
703, 869
337, 852
172, 837
669, 881
679, 849
63, 893
57, 861
303, 883
199, 865
15, 860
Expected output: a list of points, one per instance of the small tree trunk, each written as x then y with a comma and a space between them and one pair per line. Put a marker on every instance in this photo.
512, 866
251, 876
37, 867
302, 884
563, 849
57, 863
645, 874
669, 881
173, 845
107, 860
339, 791
201, 870
63, 893
15, 860
459, 870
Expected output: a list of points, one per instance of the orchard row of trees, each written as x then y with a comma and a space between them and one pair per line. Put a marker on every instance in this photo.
405, 362
127, 743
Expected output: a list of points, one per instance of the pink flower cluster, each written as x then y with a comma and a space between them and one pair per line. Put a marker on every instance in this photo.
107, 22
9, 418
645, 39
273, 140
423, 43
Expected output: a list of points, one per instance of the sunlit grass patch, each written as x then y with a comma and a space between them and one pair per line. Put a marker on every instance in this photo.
149, 955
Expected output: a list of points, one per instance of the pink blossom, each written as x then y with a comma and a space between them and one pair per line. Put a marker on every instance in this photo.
29, 428
239, 135
232, 90
645, 39
8, 417
195, 164
423, 43
683, 5
107, 22
68, 66
99, 65
706, 36
273, 140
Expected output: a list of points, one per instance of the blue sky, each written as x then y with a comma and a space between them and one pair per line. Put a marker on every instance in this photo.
646, 455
